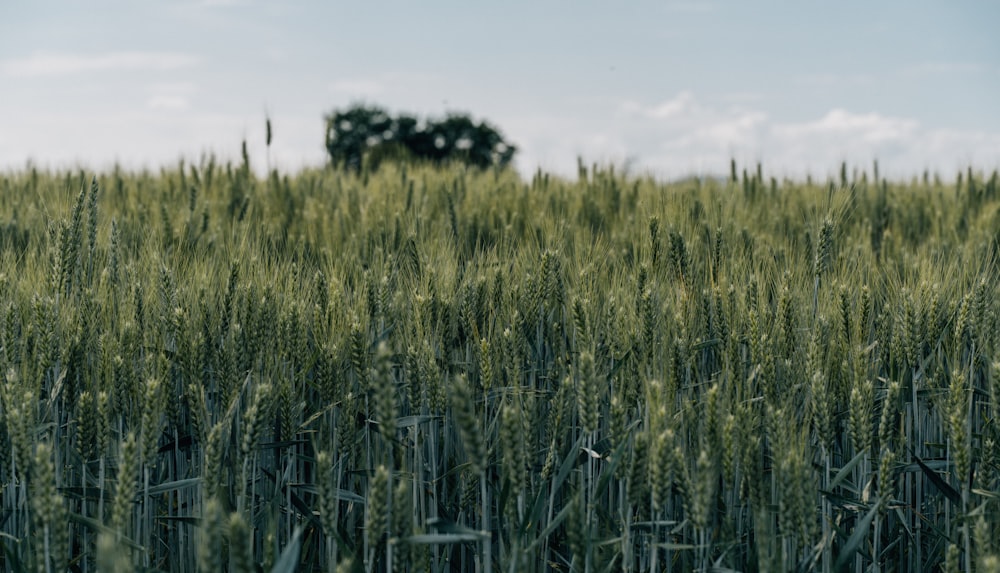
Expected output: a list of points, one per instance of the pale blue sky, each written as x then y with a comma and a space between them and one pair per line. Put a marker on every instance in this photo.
672, 87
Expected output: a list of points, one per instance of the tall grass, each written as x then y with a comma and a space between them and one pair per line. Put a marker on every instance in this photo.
422, 369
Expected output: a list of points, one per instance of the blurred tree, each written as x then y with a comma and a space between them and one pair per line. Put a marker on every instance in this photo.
368, 134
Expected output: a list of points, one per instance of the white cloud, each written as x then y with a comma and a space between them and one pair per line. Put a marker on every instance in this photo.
742, 129
953, 150
869, 127
174, 96
554, 142
152, 138
683, 103
170, 96
49, 64
685, 134
684, 127
676, 137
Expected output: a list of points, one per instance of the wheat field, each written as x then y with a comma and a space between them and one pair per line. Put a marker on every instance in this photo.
442, 369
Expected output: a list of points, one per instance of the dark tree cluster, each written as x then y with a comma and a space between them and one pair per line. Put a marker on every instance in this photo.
364, 134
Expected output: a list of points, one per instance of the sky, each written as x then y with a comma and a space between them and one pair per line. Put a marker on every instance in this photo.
671, 88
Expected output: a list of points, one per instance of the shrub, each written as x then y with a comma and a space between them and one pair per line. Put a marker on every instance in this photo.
368, 134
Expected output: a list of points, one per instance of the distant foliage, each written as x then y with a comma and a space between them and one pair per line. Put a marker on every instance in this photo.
368, 134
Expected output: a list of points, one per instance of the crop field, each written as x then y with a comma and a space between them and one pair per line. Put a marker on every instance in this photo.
448, 369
